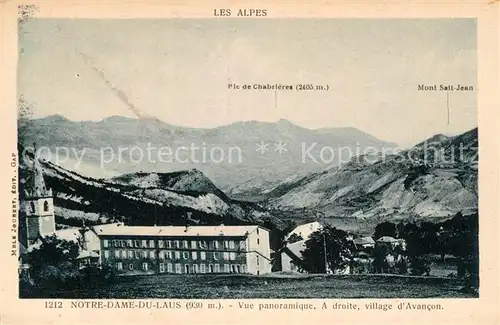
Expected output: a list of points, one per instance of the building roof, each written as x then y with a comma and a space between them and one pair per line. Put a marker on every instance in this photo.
386, 239
364, 241
87, 254
179, 231
305, 230
72, 234
98, 229
297, 248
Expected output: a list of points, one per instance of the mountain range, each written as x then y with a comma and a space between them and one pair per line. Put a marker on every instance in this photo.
433, 180
244, 173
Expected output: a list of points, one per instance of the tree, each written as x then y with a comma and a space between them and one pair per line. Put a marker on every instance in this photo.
386, 228
53, 251
338, 250
294, 238
53, 267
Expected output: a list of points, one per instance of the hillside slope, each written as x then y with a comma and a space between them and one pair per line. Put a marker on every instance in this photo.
435, 179
140, 200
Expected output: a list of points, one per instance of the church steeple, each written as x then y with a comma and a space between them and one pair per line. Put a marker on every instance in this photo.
38, 205
38, 187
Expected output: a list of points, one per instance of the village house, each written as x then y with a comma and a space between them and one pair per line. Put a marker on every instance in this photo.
391, 243
186, 250
291, 256
304, 230
364, 243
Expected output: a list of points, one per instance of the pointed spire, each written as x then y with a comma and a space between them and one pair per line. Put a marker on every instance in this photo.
39, 188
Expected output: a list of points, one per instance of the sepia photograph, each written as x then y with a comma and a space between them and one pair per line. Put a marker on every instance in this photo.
222, 159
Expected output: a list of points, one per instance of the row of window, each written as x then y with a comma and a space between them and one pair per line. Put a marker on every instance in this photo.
189, 268
170, 255
193, 244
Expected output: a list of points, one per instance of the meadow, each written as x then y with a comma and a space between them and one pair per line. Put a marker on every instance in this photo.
274, 286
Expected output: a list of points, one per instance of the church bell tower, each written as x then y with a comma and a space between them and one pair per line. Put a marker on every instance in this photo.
38, 205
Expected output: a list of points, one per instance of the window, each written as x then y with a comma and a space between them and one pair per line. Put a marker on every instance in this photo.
106, 254
202, 243
210, 268
216, 244
45, 206
168, 243
162, 267
129, 243
119, 266
151, 243
177, 255
216, 256
160, 255
225, 256
169, 255
243, 268
105, 243
194, 255
193, 244
233, 268
144, 244
216, 268
177, 268
131, 266
117, 254
137, 254
243, 244
136, 243
226, 268
151, 254
177, 244
130, 254
232, 256
203, 255
231, 244
160, 244
144, 254
195, 268
185, 244
258, 260
258, 241
257, 230
124, 254
169, 268
185, 255
32, 207
123, 243
116, 243
226, 244
145, 266
202, 268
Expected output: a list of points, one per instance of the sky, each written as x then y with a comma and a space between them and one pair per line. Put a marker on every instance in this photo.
178, 70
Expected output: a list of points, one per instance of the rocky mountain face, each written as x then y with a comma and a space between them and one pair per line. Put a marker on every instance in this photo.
435, 179
181, 198
227, 155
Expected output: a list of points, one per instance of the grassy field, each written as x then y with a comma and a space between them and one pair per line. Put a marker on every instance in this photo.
237, 286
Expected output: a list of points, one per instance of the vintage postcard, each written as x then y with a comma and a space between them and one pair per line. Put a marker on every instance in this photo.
250, 162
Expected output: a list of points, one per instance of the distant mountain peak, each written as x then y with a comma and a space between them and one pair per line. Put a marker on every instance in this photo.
55, 118
284, 121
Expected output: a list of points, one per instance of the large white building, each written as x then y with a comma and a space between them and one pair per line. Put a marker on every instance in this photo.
183, 250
